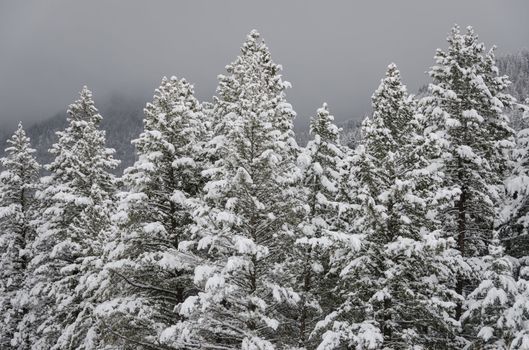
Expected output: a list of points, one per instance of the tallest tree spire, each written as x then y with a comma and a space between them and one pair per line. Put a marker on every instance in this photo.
245, 218
254, 90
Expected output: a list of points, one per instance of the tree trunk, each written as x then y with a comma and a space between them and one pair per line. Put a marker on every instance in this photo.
461, 230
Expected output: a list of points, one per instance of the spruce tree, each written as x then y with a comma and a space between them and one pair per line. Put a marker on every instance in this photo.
466, 110
145, 258
514, 216
18, 182
74, 202
392, 287
245, 220
518, 314
496, 312
322, 170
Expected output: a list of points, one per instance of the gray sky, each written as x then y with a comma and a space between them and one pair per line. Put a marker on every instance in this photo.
333, 51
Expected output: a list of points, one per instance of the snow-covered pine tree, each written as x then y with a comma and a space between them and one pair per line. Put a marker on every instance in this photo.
149, 274
515, 213
74, 204
466, 110
321, 164
18, 182
517, 316
247, 214
497, 311
392, 289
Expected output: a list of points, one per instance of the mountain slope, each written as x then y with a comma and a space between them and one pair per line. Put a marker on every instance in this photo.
122, 122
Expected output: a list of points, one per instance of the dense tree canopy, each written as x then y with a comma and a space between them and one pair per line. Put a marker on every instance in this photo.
226, 234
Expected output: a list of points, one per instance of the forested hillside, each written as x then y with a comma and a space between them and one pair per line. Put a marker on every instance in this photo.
407, 231
122, 122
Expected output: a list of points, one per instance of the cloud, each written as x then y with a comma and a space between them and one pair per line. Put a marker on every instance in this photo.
331, 51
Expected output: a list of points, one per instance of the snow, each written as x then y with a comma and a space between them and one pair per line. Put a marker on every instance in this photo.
226, 217
486, 333
245, 245
256, 343
473, 115
184, 162
153, 228
225, 229
179, 197
202, 273
186, 308
214, 282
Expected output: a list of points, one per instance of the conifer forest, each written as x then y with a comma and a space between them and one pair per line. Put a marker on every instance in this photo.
226, 233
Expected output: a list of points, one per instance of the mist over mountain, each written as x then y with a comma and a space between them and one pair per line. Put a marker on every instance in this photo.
123, 115
122, 122
516, 66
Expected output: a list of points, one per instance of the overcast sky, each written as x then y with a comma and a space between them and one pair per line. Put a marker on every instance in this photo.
332, 51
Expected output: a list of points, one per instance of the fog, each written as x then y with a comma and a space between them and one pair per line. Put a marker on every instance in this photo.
332, 51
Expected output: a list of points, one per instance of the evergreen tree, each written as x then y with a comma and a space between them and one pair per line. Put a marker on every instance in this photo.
18, 182
514, 216
146, 259
74, 206
517, 316
496, 312
466, 111
322, 172
392, 287
227, 235
245, 220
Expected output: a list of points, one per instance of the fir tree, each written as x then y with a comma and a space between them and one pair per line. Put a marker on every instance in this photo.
73, 211
245, 221
466, 111
150, 274
518, 314
496, 312
322, 173
392, 284
514, 217
18, 182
